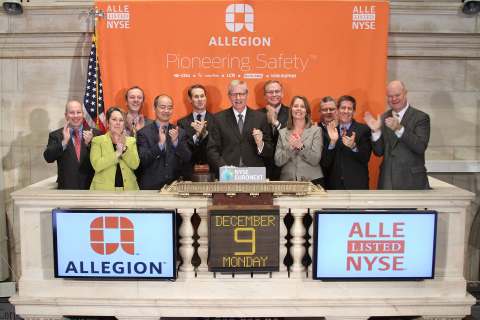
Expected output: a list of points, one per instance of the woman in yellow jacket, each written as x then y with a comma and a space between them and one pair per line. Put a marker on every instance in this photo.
114, 156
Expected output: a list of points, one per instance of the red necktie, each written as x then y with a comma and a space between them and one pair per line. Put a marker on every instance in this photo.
78, 144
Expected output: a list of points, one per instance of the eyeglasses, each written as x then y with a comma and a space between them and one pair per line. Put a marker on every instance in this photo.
240, 95
169, 108
273, 92
328, 109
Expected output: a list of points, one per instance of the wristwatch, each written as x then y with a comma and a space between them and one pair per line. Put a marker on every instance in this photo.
301, 148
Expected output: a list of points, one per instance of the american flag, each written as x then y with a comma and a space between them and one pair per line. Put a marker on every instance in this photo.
91, 95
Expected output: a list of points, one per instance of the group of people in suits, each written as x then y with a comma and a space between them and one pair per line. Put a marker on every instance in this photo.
141, 153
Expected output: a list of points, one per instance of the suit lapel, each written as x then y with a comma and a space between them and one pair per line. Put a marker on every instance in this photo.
306, 134
283, 114
71, 150
232, 122
248, 123
108, 143
208, 117
391, 136
407, 116
189, 129
83, 147
339, 141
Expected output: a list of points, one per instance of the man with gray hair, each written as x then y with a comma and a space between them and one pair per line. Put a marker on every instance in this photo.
239, 136
328, 113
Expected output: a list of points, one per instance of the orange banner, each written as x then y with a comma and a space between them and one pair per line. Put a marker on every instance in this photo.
314, 48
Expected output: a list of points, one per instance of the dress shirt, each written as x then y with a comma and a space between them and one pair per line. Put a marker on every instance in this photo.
161, 146
330, 147
203, 114
72, 135
377, 135
244, 113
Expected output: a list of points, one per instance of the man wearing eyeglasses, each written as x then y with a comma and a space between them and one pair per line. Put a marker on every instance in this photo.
161, 145
328, 113
239, 136
277, 116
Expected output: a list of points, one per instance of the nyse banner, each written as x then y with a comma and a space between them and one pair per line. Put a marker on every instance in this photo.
374, 245
244, 239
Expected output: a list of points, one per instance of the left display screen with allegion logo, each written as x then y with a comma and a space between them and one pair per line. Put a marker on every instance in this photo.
114, 244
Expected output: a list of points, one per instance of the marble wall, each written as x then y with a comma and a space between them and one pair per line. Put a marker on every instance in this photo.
433, 48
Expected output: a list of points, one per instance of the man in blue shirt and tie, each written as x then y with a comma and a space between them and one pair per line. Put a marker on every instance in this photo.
161, 145
196, 126
70, 147
349, 151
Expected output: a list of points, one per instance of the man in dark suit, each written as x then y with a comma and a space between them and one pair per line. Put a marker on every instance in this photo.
347, 157
161, 145
328, 113
238, 136
70, 147
134, 99
401, 136
196, 126
277, 116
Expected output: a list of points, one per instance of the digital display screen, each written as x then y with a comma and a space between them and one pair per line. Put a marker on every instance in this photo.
244, 240
114, 244
374, 245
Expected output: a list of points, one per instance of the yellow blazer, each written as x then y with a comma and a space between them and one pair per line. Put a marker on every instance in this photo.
104, 161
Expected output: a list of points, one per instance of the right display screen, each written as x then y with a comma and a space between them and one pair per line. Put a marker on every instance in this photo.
374, 245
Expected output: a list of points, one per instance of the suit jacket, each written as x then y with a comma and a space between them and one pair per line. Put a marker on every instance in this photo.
298, 163
148, 121
71, 174
326, 143
226, 145
350, 166
199, 151
403, 164
160, 167
273, 171
104, 161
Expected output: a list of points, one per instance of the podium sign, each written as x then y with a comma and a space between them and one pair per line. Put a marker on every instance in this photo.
244, 238
243, 174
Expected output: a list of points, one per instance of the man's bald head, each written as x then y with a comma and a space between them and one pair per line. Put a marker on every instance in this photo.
397, 96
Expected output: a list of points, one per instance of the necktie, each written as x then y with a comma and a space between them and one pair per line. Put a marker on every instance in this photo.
78, 144
240, 123
199, 117
344, 133
134, 127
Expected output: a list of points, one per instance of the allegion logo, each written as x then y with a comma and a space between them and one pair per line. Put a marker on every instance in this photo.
110, 244
104, 225
238, 16
239, 10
